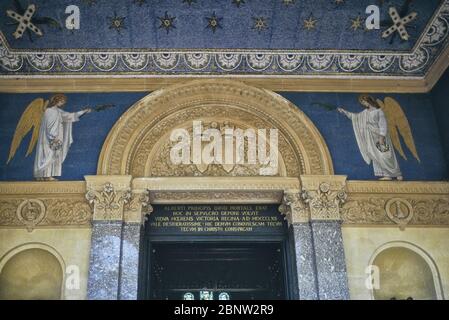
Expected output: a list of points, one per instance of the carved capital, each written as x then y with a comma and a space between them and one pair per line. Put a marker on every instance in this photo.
293, 207
108, 196
138, 207
324, 196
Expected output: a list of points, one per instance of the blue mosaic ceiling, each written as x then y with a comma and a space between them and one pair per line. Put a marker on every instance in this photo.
231, 37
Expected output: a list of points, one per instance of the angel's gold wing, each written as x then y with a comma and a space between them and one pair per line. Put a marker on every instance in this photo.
30, 119
398, 125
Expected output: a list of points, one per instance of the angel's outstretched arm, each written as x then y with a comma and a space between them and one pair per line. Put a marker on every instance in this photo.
348, 114
73, 117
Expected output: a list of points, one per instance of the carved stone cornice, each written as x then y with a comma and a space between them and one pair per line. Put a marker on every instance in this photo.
108, 196
31, 213
218, 197
324, 196
34, 205
398, 187
216, 183
42, 188
202, 190
397, 203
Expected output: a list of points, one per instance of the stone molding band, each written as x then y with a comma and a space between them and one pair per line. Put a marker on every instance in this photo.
32, 205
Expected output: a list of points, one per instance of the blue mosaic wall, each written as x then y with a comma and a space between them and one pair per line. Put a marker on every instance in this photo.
232, 37
440, 97
88, 134
283, 26
339, 136
91, 131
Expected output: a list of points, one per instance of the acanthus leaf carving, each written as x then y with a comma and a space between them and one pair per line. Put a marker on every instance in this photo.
324, 198
138, 207
108, 202
293, 207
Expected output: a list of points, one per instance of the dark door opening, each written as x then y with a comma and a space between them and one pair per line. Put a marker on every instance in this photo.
230, 270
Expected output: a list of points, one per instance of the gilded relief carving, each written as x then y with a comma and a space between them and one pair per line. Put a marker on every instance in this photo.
161, 166
138, 206
402, 204
108, 203
399, 211
8, 212
325, 204
34, 205
324, 196
68, 212
33, 213
294, 207
136, 142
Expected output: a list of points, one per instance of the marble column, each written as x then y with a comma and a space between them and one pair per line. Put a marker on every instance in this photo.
103, 281
324, 196
330, 260
129, 262
131, 236
108, 196
297, 215
305, 262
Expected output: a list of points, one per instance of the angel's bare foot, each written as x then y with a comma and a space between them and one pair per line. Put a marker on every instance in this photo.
385, 179
52, 179
400, 178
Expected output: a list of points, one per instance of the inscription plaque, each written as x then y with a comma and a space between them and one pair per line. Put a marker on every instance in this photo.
215, 219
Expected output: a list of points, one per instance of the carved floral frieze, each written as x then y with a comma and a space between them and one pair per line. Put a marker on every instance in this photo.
402, 211
32, 213
401, 204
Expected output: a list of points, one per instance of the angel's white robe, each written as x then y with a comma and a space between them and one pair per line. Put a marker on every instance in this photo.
56, 124
369, 126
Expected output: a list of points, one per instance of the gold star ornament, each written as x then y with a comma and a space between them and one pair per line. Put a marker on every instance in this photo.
310, 23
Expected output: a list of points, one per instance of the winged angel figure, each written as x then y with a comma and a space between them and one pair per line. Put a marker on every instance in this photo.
52, 133
377, 130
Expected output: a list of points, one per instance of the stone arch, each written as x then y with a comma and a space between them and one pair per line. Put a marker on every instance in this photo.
138, 143
424, 268
32, 271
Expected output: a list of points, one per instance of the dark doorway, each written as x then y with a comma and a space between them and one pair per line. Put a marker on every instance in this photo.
233, 270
